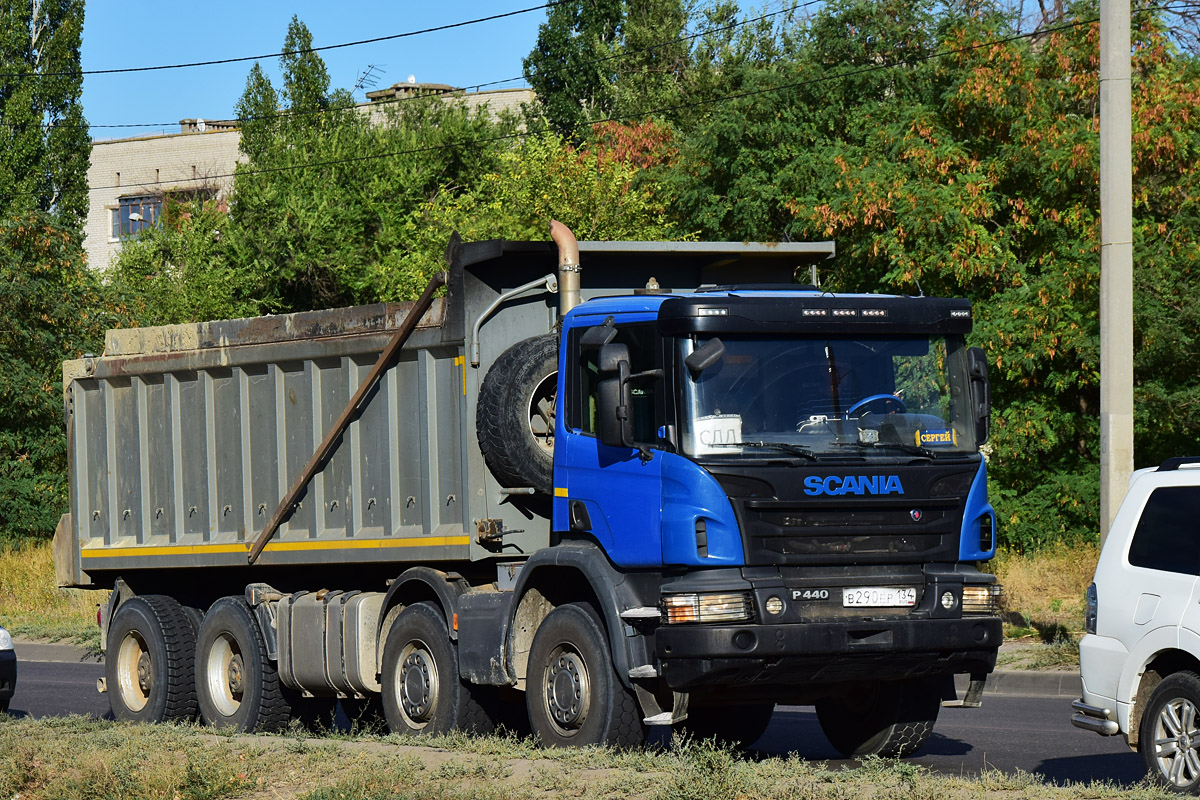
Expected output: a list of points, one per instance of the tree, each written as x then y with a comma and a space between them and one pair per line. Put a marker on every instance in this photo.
53, 310
52, 306
572, 66
594, 191
44, 144
945, 157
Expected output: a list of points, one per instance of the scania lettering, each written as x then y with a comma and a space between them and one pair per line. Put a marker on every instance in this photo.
853, 484
587, 494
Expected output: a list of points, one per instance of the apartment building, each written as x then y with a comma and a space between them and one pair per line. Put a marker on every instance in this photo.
130, 178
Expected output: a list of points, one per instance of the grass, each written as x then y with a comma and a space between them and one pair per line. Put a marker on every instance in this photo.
1043, 604
59, 758
32, 607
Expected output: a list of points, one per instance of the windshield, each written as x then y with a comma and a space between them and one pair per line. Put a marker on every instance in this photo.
814, 397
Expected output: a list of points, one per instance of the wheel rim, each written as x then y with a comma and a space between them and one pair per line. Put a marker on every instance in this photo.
135, 672
1176, 741
567, 690
541, 413
224, 674
417, 684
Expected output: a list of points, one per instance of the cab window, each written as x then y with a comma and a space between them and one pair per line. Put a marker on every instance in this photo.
644, 346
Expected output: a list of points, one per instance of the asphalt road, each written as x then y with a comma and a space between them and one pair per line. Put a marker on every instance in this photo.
1032, 734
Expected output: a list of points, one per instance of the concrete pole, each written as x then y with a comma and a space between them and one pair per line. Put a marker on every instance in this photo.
1116, 261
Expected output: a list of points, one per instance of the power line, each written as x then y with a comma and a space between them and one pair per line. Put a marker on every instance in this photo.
476, 87
624, 118
650, 112
392, 37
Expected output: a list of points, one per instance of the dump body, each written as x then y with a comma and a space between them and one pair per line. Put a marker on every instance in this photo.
185, 438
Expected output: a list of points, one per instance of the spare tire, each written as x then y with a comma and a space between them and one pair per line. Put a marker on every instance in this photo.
514, 418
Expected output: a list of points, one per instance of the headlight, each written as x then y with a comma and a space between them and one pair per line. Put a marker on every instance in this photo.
5, 640
706, 607
982, 598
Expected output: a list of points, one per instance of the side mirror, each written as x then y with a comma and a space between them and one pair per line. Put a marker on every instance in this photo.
981, 393
615, 397
704, 356
597, 337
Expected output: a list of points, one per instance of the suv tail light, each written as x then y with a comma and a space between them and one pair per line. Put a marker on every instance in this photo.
1091, 603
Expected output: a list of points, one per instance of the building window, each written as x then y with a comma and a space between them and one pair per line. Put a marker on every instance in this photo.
135, 214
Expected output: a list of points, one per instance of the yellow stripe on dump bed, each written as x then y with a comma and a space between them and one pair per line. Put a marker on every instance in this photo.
276, 547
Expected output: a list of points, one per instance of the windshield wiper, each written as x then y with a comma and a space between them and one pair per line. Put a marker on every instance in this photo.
786, 447
904, 447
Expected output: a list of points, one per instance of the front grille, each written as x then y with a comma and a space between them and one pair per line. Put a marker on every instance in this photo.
869, 530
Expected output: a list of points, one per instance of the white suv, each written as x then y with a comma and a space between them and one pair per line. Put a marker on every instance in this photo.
1140, 658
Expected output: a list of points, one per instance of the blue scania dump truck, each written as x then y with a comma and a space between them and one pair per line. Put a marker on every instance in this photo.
673, 487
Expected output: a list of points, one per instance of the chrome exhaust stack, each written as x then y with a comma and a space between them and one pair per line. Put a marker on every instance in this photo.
568, 267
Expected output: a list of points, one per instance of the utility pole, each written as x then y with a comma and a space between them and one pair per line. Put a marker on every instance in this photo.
1116, 261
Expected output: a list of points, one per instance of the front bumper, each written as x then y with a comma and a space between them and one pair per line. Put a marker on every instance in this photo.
8, 674
694, 656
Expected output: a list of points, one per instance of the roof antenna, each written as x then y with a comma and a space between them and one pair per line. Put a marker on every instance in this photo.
920, 291
369, 78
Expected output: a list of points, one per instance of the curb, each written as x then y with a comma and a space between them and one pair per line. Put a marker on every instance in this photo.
1012, 682
52, 652
1029, 683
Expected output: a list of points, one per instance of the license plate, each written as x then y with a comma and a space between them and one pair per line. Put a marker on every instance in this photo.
879, 597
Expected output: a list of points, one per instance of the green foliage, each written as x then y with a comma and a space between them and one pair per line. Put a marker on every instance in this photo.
52, 306
591, 191
572, 68
52, 311
975, 173
44, 144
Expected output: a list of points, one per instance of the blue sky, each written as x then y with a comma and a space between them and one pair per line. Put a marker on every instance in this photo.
118, 35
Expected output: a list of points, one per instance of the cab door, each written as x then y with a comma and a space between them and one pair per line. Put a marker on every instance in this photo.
613, 494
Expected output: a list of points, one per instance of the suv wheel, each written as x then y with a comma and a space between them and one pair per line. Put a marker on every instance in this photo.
1170, 733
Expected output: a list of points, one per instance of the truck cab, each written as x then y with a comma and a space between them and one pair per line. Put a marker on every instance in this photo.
804, 470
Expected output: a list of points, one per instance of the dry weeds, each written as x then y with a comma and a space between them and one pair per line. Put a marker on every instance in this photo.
61, 758
32, 606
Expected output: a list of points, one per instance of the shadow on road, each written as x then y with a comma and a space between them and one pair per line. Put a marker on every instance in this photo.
1123, 769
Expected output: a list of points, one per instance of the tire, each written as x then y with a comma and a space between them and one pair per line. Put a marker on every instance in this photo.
150, 664
422, 692
514, 418
236, 684
733, 726
572, 692
1169, 735
893, 720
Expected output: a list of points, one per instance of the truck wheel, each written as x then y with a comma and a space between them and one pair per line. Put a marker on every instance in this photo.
236, 683
887, 719
515, 416
1169, 739
735, 726
422, 692
573, 694
150, 663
